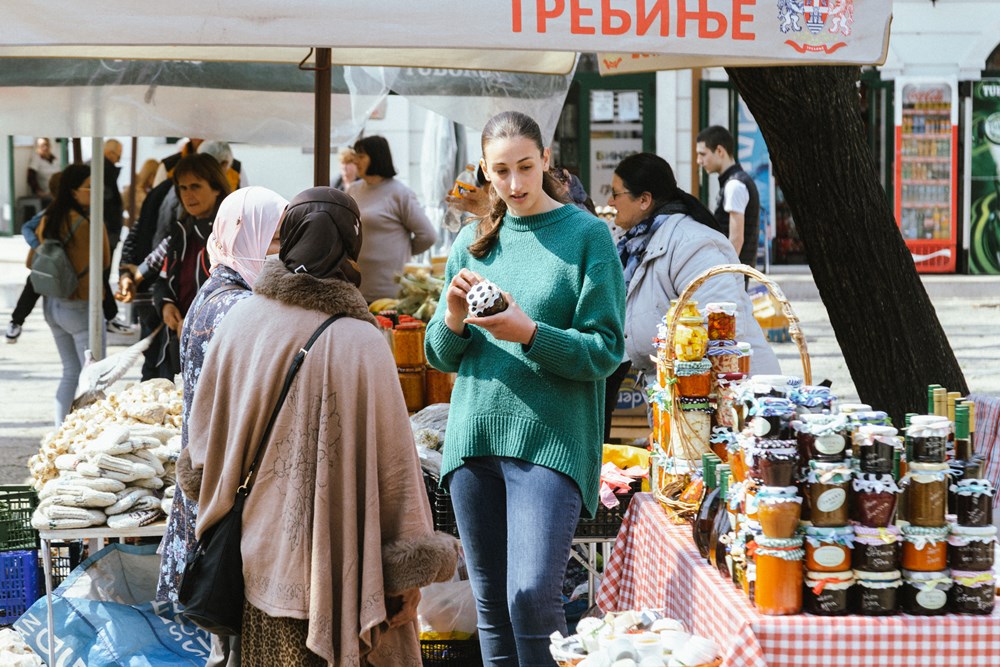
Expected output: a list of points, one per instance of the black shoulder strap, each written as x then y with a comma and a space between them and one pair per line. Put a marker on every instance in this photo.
244, 489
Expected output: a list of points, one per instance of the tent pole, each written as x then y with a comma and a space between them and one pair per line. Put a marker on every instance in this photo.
321, 157
130, 204
96, 270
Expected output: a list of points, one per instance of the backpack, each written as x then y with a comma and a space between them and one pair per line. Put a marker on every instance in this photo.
52, 274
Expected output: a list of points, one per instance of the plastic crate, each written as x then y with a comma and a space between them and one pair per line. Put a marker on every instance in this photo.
441, 510
456, 652
65, 558
607, 521
17, 504
20, 579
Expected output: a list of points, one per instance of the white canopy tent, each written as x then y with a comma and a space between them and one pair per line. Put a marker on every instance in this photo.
541, 37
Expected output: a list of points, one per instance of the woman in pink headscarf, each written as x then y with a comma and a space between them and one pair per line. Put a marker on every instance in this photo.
244, 233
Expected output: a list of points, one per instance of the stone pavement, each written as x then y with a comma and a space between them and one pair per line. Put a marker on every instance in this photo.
968, 307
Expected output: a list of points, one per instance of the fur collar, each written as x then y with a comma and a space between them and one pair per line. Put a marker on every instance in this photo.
330, 296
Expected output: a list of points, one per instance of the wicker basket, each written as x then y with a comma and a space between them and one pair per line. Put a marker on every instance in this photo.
680, 430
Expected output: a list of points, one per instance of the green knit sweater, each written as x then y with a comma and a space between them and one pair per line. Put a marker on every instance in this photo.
543, 403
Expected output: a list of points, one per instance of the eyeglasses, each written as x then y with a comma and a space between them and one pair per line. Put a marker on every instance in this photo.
616, 195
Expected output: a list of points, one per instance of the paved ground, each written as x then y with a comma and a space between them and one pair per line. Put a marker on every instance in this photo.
968, 307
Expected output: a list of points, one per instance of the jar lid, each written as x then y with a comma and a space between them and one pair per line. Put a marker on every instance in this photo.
927, 531
688, 368
819, 424
869, 417
410, 325
924, 426
829, 531
888, 534
720, 351
846, 575
772, 406
778, 453
842, 535
777, 491
691, 320
865, 575
727, 307
971, 579
877, 429
929, 580
779, 542
970, 487
777, 380
927, 467
849, 408
744, 347
837, 581
875, 483
721, 343
971, 531
812, 396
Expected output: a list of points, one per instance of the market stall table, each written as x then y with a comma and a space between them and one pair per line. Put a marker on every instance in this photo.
95, 535
655, 565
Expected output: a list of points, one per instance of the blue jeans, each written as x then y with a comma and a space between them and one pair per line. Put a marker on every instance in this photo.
516, 520
68, 320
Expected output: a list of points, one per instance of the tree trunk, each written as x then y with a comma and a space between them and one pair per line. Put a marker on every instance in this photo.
884, 321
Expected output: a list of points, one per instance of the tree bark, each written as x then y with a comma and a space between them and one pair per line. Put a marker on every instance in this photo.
884, 321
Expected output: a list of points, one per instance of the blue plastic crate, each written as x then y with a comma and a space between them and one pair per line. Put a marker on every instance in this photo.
19, 583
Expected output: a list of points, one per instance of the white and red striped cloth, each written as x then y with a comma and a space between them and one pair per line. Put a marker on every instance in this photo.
655, 565
987, 438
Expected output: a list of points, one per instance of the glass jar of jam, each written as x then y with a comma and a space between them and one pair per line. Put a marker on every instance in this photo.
925, 549
771, 417
828, 549
925, 593
754, 453
971, 548
724, 357
972, 592
690, 339
774, 385
778, 588
820, 437
746, 352
408, 344
828, 484
810, 399
877, 446
779, 466
861, 418
875, 592
875, 499
721, 320
778, 510
875, 549
828, 593
973, 502
693, 378
926, 493
927, 436
412, 382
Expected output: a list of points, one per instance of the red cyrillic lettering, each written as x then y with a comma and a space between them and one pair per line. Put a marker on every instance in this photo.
576, 12
703, 16
515, 15
644, 20
608, 13
543, 13
740, 17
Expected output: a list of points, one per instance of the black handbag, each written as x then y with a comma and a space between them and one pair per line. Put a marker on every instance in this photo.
212, 586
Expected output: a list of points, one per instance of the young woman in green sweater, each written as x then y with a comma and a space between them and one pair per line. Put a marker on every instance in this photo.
522, 452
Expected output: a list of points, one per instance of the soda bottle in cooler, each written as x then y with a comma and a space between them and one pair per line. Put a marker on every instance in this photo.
464, 184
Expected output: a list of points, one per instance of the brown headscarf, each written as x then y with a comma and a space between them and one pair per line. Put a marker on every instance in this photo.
321, 235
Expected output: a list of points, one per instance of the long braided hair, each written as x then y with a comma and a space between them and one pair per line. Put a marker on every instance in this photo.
508, 125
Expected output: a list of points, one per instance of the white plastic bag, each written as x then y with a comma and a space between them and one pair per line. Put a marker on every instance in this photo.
447, 611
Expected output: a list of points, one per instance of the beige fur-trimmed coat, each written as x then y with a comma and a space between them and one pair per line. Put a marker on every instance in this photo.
338, 518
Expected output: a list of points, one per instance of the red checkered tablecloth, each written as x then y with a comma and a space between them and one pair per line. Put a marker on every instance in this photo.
655, 565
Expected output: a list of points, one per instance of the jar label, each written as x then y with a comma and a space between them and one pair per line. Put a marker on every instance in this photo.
761, 427
829, 556
829, 444
932, 599
831, 500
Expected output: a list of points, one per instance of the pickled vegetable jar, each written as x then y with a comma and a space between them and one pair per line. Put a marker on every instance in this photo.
875, 549
972, 592
971, 548
925, 593
721, 320
925, 549
927, 493
779, 576
693, 378
724, 357
828, 593
828, 484
876, 497
829, 549
875, 592
778, 510
690, 339
973, 502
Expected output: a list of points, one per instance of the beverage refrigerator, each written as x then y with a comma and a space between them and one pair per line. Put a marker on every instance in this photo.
926, 170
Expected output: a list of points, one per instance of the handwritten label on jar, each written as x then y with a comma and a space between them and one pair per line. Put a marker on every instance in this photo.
829, 556
932, 599
829, 444
761, 427
973, 601
831, 501
881, 562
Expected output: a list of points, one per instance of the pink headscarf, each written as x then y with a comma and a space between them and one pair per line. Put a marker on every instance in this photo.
243, 230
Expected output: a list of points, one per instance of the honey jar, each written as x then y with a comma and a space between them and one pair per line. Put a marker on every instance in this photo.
412, 382
408, 344
779, 576
778, 510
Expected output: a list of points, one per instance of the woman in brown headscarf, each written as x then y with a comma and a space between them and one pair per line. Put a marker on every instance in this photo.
337, 533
